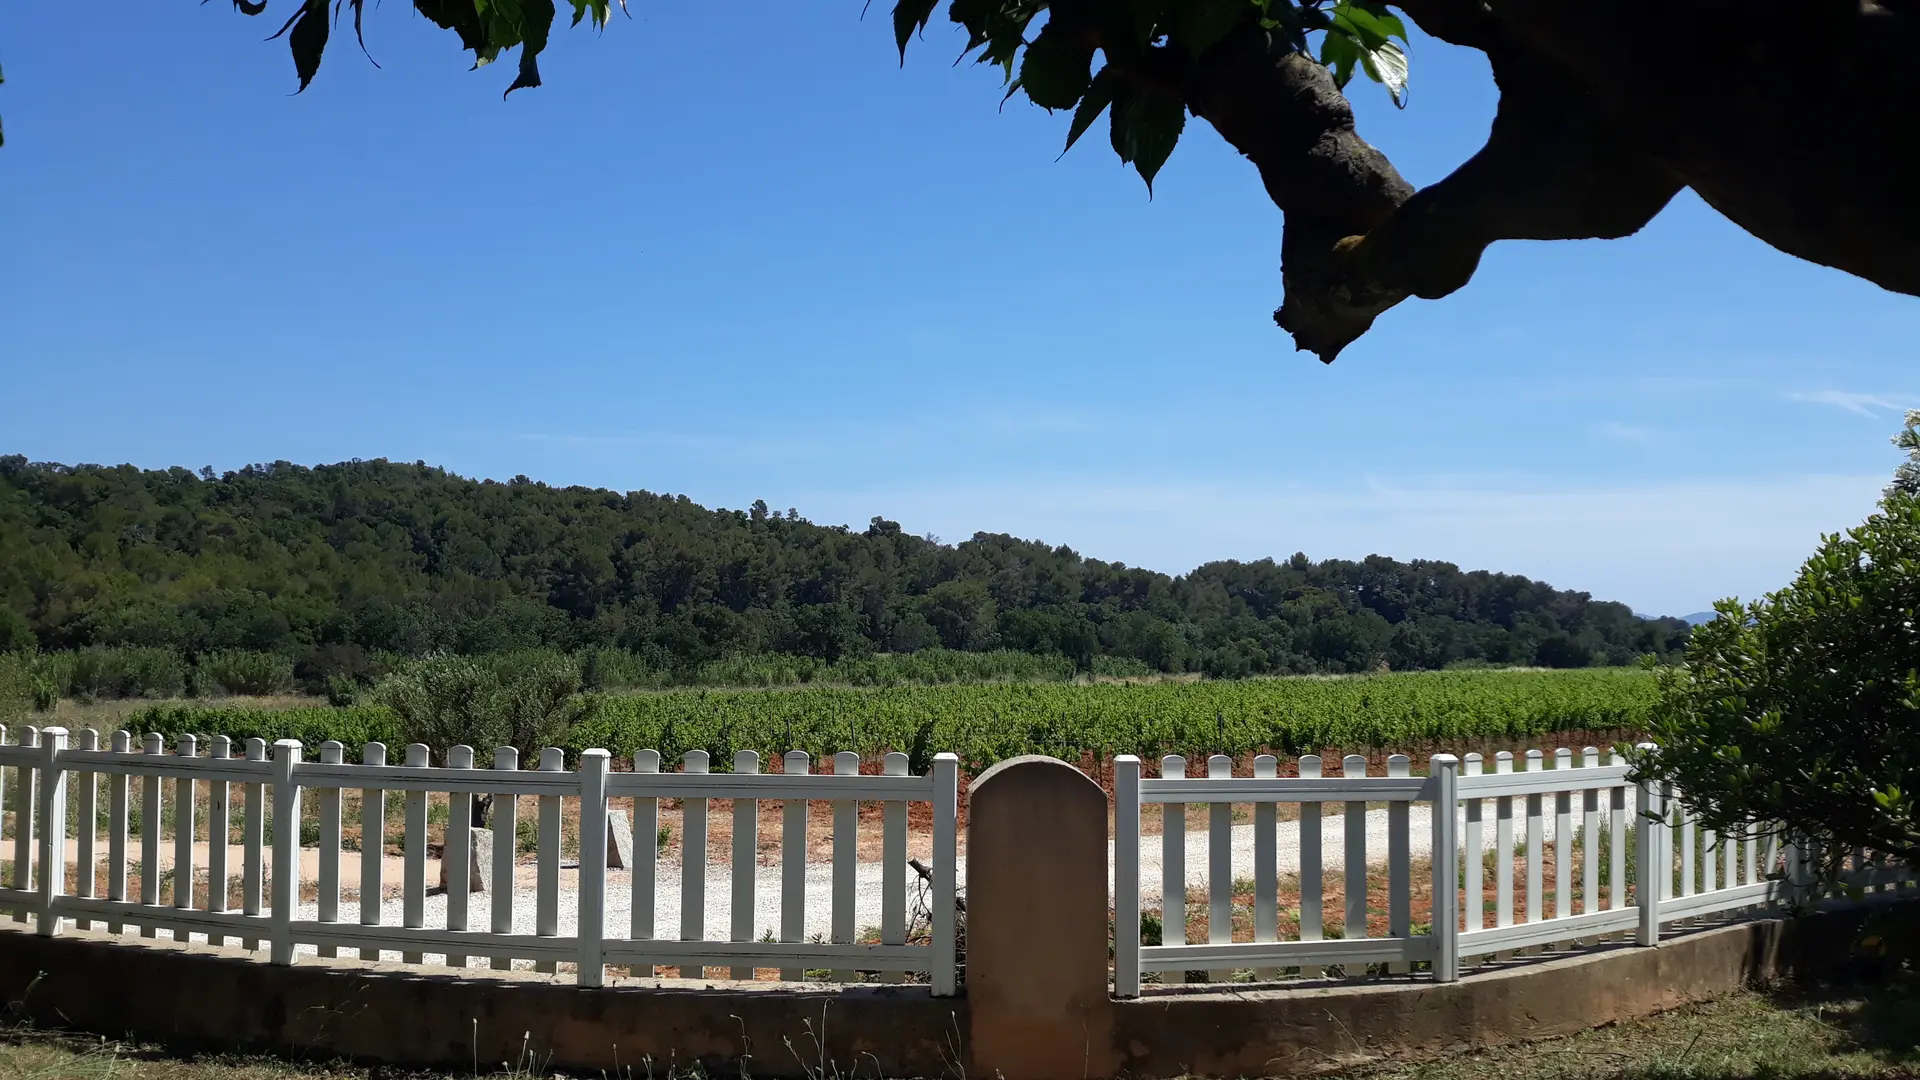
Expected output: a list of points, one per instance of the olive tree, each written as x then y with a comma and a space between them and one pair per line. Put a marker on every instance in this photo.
528, 703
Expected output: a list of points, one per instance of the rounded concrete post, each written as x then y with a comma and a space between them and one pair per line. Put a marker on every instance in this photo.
1037, 923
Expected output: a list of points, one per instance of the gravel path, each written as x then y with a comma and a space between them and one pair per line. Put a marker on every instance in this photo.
868, 905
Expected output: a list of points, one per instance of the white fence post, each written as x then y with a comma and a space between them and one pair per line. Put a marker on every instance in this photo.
413, 850
155, 745
456, 851
286, 849
53, 827
331, 753
219, 832
793, 861
946, 852
1444, 771
86, 818
546, 897
1126, 876
591, 927
506, 844
1651, 869
24, 809
746, 847
373, 847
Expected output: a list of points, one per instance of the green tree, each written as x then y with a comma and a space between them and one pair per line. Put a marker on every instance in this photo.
528, 702
1803, 708
1594, 135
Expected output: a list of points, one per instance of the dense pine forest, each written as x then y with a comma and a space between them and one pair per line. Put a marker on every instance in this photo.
333, 566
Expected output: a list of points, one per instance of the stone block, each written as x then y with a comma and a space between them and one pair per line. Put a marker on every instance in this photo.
480, 856
619, 840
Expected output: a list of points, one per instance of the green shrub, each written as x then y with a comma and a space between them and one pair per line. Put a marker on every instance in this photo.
354, 727
1804, 708
255, 674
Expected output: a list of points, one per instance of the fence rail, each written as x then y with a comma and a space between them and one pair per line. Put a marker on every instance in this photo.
55, 796
1570, 854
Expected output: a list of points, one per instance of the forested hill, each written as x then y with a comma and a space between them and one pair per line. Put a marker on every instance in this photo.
373, 556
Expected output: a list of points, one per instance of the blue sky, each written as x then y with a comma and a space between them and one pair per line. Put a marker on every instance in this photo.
744, 260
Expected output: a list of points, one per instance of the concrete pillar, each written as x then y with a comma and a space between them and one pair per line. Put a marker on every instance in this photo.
1037, 976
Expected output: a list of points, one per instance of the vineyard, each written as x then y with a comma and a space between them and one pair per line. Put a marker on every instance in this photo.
988, 723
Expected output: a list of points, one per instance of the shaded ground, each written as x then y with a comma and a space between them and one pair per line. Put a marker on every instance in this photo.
1865, 1032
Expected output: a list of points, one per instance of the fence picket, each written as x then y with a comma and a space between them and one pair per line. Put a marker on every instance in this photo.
219, 836
1126, 876
23, 812
1173, 866
1354, 827
1312, 856
327, 801
846, 855
53, 830
1400, 863
591, 919
1689, 873
119, 788
693, 864
1617, 868
893, 865
746, 850
413, 850
86, 819
505, 820
1444, 769
456, 853
150, 825
1266, 864
373, 845
184, 807
1563, 840
1536, 844
1473, 865
1503, 847
946, 858
793, 861
546, 894
286, 849
1219, 864
1590, 838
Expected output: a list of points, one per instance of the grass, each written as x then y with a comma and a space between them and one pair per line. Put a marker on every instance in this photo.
1849, 1033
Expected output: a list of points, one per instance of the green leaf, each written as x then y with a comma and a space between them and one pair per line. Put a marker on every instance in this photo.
910, 17
1387, 66
1146, 127
308, 40
1198, 25
1054, 70
602, 10
536, 23
1339, 54
1094, 102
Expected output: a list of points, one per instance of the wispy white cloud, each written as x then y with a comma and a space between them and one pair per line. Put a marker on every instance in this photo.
1663, 547
1625, 432
1853, 402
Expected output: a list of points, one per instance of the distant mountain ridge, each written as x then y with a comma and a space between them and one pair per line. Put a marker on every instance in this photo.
332, 564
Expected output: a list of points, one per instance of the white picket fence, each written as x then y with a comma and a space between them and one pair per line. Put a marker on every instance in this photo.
54, 778
1594, 811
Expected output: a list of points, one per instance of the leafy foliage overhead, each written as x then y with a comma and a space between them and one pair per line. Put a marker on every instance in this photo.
486, 28
1052, 63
